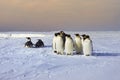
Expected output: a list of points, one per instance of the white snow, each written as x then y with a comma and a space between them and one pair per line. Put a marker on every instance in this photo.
20, 63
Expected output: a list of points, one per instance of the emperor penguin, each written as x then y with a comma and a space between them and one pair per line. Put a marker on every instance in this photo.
87, 46
78, 44
29, 43
54, 42
69, 45
39, 43
59, 44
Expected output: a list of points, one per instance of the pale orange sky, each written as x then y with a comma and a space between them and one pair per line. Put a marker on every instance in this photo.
49, 15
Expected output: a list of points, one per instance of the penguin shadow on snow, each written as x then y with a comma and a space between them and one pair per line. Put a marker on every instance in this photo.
48, 46
106, 54
45, 46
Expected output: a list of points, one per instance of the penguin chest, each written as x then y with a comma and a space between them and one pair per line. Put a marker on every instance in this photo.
78, 44
54, 39
69, 45
59, 43
54, 42
87, 47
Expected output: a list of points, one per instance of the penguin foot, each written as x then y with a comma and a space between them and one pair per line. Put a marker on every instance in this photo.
58, 53
69, 54
87, 55
78, 53
55, 51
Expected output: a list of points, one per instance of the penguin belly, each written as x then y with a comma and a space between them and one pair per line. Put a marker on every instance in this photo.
59, 45
69, 47
54, 44
87, 47
78, 45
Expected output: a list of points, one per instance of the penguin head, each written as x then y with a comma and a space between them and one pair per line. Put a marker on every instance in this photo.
28, 38
62, 33
58, 34
55, 34
39, 39
83, 36
77, 35
68, 36
86, 37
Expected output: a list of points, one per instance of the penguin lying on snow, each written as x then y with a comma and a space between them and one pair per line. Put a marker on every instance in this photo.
29, 43
39, 43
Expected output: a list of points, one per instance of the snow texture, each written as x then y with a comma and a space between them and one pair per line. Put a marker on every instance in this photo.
20, 63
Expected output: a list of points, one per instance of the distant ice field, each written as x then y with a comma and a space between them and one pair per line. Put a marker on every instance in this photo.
20, 63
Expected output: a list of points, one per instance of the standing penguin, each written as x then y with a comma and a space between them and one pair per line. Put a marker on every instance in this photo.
54, 42
59, 44
29, 43
69, 45
78, 44
87, 46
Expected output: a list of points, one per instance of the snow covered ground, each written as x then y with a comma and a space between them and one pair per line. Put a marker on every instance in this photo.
20, 63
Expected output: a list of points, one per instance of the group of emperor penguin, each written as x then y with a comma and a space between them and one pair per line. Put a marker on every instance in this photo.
64, 44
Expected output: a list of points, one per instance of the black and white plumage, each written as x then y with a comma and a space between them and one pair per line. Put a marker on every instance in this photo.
78, 44
29, 43
59, 44
39, 43
69, 45
87, 46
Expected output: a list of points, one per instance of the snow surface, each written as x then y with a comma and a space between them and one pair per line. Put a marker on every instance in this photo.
20, 63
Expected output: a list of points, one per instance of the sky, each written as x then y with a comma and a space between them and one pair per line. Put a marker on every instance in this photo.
51, 15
